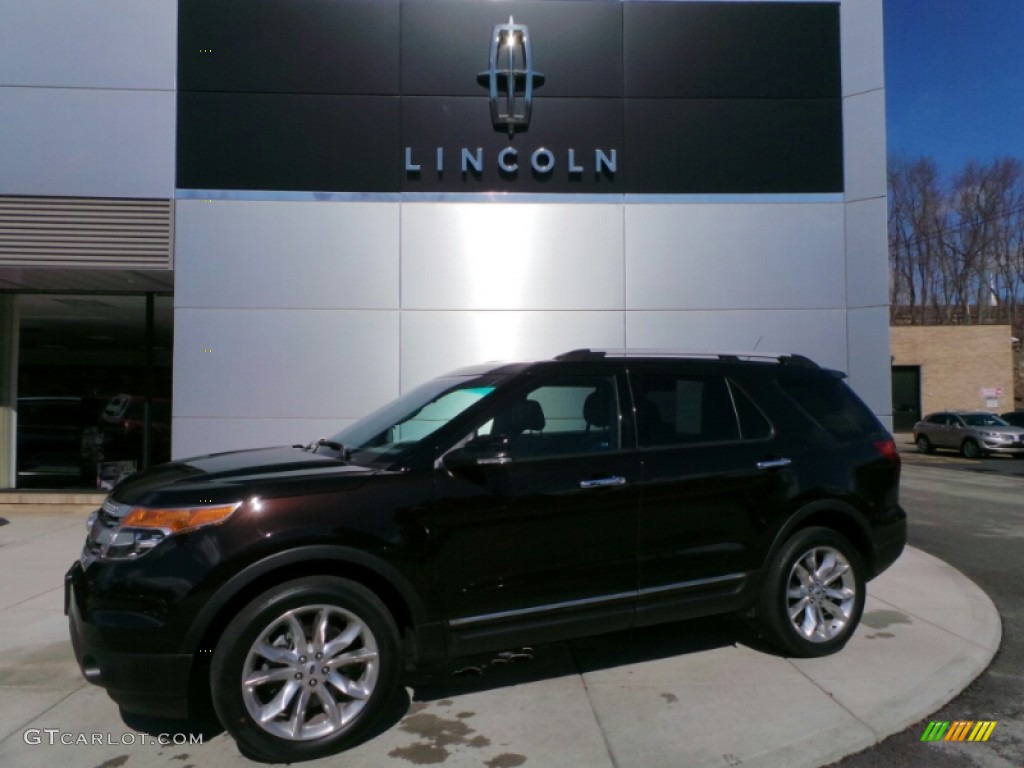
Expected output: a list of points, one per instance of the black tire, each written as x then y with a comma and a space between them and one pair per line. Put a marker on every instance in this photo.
970, 449
802, 612
360, 652
924, 445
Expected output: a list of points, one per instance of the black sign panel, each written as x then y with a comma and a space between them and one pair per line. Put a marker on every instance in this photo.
340, 47
734, 145
530, 96
274, 141
731, 50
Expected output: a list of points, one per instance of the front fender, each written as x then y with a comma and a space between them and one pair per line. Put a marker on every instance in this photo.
300, 556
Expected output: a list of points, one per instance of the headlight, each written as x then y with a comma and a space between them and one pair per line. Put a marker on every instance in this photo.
142, 528
132, 542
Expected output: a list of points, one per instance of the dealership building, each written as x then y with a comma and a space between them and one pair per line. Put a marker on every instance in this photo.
231, 223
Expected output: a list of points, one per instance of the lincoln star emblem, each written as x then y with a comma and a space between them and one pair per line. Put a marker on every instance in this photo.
510, 77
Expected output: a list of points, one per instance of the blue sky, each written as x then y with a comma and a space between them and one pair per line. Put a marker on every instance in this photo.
955, 79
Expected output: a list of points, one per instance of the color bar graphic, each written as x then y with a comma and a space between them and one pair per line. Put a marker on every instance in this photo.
959, 730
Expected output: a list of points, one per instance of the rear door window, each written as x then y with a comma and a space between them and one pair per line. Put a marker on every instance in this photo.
680, 409
753, 423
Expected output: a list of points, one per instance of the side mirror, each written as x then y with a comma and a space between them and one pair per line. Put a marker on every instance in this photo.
478, 453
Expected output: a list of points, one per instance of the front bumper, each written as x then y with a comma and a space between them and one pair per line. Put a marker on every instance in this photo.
1001, 446
155, 684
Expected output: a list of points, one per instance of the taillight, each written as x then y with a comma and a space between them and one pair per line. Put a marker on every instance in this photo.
888, 450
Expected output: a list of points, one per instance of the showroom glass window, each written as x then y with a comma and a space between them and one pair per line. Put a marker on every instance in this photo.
94, 388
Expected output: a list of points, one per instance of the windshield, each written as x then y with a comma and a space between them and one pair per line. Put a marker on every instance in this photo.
983, 420
380, 438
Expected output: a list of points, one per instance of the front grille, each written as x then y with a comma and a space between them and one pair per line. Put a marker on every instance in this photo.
112, 510
108, 520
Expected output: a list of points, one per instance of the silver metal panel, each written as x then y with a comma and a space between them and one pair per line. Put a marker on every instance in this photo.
287, 255
818, 334
864, 145
94, 44
195, 437
757, 256
498, 256
86, 143
324, 364
868, 353
867, 254
434, 343
863, 66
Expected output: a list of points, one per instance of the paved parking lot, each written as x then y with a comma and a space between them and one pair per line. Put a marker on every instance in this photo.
999, 465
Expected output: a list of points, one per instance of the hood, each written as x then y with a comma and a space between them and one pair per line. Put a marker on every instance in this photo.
230, 476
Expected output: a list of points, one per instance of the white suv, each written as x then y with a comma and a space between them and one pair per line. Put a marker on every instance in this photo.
974, 433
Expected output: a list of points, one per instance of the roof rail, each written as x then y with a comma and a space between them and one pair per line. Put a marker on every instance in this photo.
795, 359
598, 354
581, 354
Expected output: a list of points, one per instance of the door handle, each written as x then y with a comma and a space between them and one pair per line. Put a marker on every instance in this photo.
603, 482
774, 463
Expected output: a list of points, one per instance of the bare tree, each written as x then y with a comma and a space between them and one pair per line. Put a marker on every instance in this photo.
917, 219
956, 251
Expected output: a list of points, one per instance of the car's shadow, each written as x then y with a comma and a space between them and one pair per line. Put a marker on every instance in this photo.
512, 667
523, 665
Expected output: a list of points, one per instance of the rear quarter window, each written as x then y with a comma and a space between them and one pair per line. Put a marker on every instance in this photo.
832, 405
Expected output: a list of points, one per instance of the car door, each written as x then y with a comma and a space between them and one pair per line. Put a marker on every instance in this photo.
539, 543
949, 431
708, 487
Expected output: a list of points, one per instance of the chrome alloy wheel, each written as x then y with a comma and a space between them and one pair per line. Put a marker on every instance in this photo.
821, 594
310, 672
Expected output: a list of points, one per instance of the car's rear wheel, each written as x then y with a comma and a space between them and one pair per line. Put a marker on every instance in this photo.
813, 595
924, 445
305, 669
971, 450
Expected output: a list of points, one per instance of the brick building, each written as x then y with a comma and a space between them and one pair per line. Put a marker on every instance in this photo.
951, 366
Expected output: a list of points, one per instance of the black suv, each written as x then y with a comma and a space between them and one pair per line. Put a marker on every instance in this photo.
497, 506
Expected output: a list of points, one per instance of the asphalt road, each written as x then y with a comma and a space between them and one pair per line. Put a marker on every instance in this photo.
970, 514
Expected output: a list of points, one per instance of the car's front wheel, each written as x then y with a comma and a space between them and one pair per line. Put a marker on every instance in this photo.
305, 669
971, 450
813, 595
